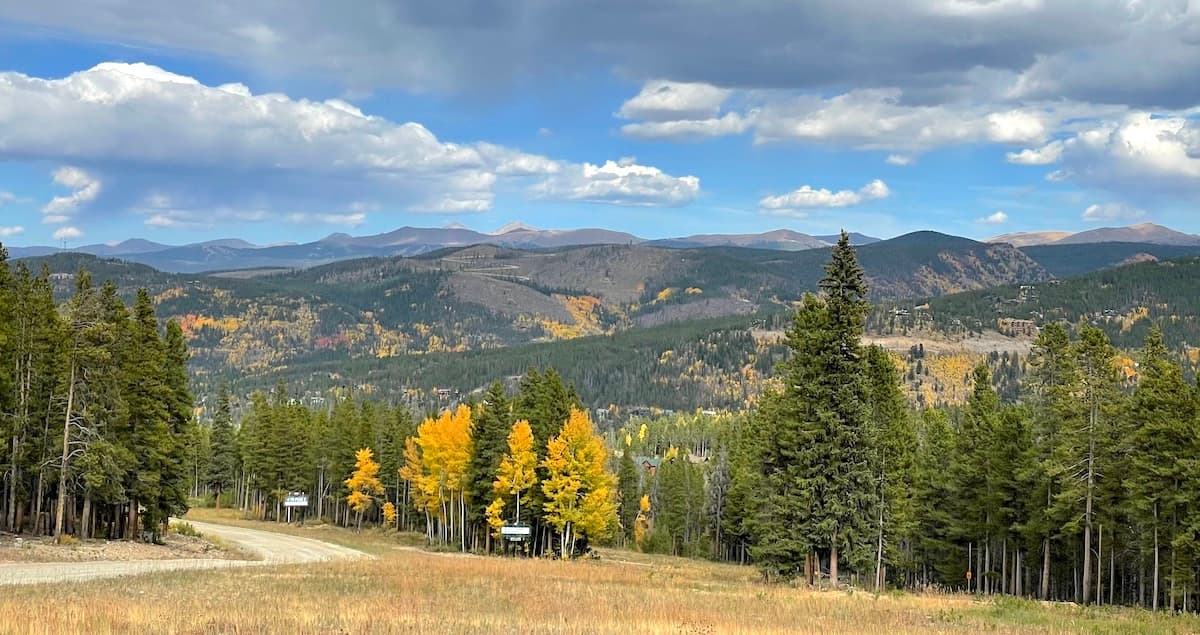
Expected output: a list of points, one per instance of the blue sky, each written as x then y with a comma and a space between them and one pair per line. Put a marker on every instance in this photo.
180, 122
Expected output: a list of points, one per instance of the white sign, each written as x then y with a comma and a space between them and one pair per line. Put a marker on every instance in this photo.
296, 500
516, 533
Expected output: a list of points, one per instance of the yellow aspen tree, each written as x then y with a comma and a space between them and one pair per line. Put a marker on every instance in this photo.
518, 468
580, 492
641, 526
438, 464
495, 515
389, 513
364, 483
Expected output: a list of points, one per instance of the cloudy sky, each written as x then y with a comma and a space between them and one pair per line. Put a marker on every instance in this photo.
273, 121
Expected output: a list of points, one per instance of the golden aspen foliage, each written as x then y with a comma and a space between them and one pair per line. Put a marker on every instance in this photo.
641, 525
437, 465
578, 488
495, 515
518, 468
389, 513
364, 482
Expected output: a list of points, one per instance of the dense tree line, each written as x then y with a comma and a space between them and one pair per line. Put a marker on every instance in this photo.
534, 459
95, 411
1083, 490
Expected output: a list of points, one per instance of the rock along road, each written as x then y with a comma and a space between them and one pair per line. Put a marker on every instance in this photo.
271, 547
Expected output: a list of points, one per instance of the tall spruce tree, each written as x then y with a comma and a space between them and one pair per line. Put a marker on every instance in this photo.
221, 472
818, 455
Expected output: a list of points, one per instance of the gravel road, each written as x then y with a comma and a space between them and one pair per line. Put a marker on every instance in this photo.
273, 548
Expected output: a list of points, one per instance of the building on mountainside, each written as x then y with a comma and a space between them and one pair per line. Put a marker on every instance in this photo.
649, 463
1019, 328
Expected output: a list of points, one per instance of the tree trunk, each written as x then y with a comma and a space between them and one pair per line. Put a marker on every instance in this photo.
85, 526
60, 514
833, 561
1100, 565
1087, 514
1154, 600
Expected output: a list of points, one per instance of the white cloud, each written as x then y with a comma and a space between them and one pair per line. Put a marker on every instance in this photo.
879, 119
1111, 212
67, 233
898, 159
807, 198
352, 219
998, 218
8, 232
86, 189
673, 101
623, 182
6, 198
729, 124
226, 151
1044, 155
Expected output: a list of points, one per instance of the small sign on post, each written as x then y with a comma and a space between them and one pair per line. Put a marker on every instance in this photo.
296, 499
516, 533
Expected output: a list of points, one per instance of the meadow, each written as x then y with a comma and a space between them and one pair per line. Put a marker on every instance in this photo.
406, 589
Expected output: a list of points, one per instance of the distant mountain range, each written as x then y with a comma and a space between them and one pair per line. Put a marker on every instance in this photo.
1146, 233
236, 254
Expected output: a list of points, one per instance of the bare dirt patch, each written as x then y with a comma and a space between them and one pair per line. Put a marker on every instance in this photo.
42, 549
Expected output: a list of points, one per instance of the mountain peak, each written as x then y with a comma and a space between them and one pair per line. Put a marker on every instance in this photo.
515, 226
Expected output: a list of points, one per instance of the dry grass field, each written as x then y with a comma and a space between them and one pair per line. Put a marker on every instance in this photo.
406, 590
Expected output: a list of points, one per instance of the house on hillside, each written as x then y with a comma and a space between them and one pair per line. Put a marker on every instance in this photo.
1019, 328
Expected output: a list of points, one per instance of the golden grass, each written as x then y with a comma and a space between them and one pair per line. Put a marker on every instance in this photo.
411, 591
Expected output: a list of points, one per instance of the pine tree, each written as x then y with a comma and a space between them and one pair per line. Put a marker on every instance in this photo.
817, 460
1052, 386
896, 445
1099, 387
492, 425
221, 472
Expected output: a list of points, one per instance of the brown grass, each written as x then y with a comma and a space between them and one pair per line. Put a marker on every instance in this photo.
408, 590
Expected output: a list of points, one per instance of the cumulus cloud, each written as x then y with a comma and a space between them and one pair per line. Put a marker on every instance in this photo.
227, 151
1046, 154
623, 182
1101, 212
898, 159
998, 218
1142, 154
8, 232
808, 197
67, 233
672, 101
85, 190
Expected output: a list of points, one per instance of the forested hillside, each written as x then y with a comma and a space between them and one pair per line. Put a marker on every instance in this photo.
1125, 302
486, 297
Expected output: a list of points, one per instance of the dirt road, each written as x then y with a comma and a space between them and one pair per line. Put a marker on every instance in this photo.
272, 548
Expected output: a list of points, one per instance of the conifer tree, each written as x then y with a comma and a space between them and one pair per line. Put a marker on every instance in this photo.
1164, 440
221, 471
817, 462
